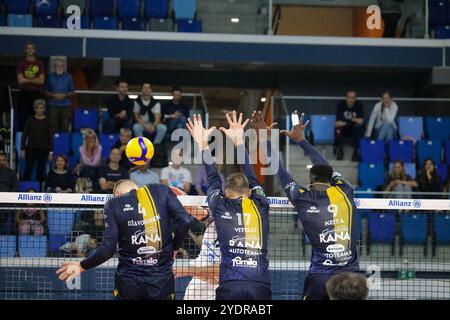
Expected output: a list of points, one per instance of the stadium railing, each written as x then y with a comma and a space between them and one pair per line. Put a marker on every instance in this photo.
403, 248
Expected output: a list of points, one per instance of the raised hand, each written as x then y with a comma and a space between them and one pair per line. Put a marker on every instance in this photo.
198, 132
69, 270
297, 133
257, 122
236, 130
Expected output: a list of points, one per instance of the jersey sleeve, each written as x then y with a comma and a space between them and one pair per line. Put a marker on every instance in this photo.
214, 182
109, 243
339, 180
180, 216
295, 192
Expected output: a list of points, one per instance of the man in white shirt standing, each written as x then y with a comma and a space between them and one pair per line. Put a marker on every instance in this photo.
205, 268
175, 175
147, 113
143, 176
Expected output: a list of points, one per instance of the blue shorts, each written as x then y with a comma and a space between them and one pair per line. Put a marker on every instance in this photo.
244, 290
155, 287
314, 287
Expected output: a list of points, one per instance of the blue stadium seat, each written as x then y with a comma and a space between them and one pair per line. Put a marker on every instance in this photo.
26, 185
371, 175
322, 128
185, 25
161, 25
55, 241
365, 195
133, 23
128, 8
442, 32
84, 23
60, 221
44, 7
401, 150
156, 8
413, 227
184, 9
447, 152
410, 127
32, 246
106, 23
428, 149
438, 12
18, 6
77, 141
441, 226
443, 172
107, 141
7, 246
101, 7
85, 118
61, 143
371, 150
381, 228
437, 128
410, 169
48, 21
20, 20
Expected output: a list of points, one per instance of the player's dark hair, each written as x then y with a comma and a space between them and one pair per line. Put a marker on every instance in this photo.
347, 286
120, 80
321, 173
237, 182
177, 89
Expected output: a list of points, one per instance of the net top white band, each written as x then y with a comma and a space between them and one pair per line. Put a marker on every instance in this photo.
20, 198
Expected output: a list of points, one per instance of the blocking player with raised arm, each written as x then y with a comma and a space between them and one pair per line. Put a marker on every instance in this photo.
327, 211
241, 215
139, 222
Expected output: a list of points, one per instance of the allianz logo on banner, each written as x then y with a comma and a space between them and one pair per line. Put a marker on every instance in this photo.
278, 201
96, 198
405, 203
46, 197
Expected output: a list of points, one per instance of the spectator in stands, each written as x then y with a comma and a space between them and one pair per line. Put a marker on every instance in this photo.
201, 179
90, 156
147, 113
382, 124
428, 179
60, 179
447, 183
349, 123
112, 172
37, 142
30, 74
8, 177
120, 108
125, 136
347, 286
175, 113
175, 175
30, 221
399, 181
143, 176
59, 88
8, 183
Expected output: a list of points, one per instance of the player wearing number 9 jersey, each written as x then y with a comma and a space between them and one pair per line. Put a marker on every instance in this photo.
327, 212
241, 215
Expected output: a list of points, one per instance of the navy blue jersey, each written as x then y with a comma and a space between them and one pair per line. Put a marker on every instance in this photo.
139, 225
242, 228
328, 218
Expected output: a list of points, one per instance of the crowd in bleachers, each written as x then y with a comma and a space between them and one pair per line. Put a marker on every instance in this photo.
137, 15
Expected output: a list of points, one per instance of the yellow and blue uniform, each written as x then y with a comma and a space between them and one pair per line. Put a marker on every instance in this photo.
243, 232
139, 224
329, 221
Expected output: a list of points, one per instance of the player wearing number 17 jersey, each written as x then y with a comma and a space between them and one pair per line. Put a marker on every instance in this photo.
241, 215
327, 212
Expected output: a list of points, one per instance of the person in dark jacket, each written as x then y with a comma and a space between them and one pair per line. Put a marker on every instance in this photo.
60, 179
428, 179
37, 142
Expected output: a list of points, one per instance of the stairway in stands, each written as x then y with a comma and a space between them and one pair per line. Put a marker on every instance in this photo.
216, 16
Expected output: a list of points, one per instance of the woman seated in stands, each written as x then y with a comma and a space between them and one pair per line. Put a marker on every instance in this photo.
399, 181
382, 124
30, 221
428, 179
90, 156
60, 179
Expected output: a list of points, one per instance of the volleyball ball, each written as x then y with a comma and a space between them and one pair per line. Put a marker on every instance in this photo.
139, 150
